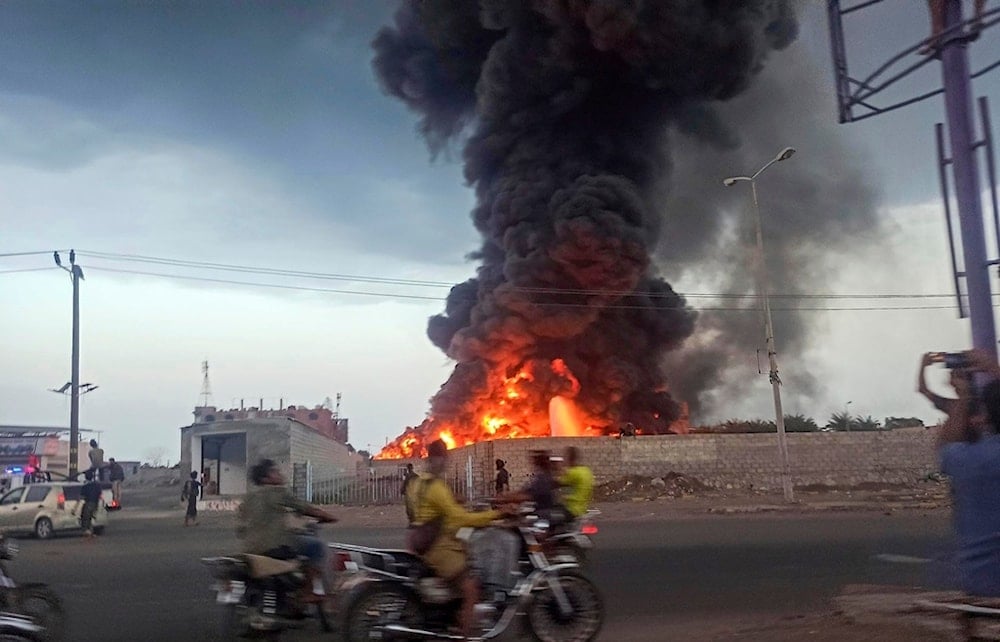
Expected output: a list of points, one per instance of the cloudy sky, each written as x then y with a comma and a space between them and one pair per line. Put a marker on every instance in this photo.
255, 134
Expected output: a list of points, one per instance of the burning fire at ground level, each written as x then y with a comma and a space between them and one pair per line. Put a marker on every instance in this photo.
514, 412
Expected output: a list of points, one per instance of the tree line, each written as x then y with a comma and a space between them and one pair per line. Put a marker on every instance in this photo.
838, 422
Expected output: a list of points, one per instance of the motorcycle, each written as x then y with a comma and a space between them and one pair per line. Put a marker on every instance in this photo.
27, 609
571, 543
392, 595
18, 628
263, 595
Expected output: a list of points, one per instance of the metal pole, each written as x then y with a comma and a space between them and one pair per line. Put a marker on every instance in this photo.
772, 355
74, 407
958, 101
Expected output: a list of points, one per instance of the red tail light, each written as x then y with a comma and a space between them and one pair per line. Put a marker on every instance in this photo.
340, 561
589, 529
61, 501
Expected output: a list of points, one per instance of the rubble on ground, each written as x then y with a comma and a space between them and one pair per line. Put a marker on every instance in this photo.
637, 488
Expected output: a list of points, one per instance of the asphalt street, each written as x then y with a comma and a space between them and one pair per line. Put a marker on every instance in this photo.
143, 579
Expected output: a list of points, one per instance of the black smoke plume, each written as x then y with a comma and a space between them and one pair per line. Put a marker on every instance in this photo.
567, 109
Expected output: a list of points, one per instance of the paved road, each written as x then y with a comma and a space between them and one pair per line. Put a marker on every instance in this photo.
143, 581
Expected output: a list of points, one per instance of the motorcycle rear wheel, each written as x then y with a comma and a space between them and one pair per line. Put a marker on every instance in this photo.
380, 605
235, 621
548, 624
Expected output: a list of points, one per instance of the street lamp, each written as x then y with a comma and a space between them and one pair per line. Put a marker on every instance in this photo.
76, 275
786, 482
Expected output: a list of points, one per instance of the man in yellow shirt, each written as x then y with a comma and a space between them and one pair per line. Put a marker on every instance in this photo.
579, 482
430, 498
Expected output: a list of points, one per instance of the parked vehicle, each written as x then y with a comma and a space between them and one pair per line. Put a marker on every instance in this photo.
392, 595
30, 609
261, 594
47, 508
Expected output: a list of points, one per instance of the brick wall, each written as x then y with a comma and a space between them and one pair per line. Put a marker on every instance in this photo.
724, 461
309, 445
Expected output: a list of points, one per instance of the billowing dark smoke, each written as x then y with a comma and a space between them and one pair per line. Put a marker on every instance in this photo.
566, 108
819, 209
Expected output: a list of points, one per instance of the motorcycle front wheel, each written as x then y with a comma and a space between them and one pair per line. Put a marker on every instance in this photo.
583, 620
378, 606
43, 606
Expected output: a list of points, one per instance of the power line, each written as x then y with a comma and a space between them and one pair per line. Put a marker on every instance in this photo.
399, 295
36, 269
37, 253
442, 284
245, 269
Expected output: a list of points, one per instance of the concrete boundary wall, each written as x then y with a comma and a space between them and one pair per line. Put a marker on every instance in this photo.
724, 461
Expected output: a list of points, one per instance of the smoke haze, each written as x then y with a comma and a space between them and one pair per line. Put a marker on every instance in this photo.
573, 115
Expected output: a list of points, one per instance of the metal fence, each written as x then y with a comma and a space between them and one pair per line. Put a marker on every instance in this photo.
316, 484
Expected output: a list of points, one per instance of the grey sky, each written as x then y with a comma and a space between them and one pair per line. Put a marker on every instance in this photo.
255, 133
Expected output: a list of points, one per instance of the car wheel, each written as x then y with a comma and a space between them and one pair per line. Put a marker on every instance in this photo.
43, 528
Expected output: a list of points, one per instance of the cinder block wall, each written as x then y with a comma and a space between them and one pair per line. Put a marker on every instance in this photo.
723, 461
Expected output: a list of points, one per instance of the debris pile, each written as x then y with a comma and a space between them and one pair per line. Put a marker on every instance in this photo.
637, 487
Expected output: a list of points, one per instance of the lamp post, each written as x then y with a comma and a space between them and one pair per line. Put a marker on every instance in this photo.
762, 288
76, 274
847, 417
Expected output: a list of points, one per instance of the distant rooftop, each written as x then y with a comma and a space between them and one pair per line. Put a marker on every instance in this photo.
35, 431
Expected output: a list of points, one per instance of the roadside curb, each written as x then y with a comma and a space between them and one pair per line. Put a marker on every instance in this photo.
832, 507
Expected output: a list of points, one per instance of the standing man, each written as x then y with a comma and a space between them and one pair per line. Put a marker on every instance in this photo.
407, 478
579, 482
91, 495
190, 494
117, 476
503, 477
96, 455
969, 450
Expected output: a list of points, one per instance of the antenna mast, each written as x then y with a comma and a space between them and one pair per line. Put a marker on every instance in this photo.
206, 385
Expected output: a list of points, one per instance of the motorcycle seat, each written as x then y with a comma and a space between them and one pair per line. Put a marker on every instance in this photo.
409, 565
263, 566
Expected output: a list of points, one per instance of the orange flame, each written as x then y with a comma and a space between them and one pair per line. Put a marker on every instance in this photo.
536, 401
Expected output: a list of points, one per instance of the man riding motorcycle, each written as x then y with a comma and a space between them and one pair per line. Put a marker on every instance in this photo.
263, 528
430, 498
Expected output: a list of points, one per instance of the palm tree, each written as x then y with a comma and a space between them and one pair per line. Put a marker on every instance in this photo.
868, 423
800, 423
841, 421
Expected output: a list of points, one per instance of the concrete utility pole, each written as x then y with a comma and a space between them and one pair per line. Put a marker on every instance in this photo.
76, 274
772, 352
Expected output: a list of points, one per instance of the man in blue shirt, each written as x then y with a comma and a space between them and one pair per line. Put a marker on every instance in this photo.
969, 448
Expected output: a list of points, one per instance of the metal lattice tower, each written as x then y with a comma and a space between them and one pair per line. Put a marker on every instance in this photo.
856, 100
206, 385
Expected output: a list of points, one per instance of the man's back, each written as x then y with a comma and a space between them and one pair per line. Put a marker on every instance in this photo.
580, 482
91, 492
974, 469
